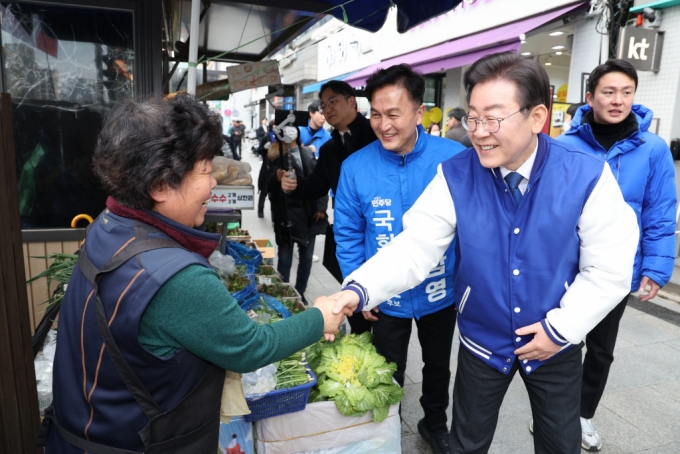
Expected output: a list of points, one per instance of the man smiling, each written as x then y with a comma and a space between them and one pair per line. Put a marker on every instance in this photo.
545, 249
377, 185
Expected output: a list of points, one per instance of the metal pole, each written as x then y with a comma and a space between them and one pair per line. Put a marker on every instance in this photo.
193, 45
604, 43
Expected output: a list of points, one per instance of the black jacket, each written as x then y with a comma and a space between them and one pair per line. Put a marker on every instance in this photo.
296, 213
326, 174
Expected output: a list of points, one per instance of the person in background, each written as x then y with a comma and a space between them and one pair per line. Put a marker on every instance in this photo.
569, 115
377, 184
314, 135
295, 221
261, 131
545, 249
267, 139
144, 303
352, 132
455, 129
615, 129
237, 138
434, 130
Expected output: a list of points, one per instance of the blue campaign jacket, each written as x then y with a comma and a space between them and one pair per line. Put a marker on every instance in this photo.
376, 188
90, 398
320, 137
643, 167
515, 263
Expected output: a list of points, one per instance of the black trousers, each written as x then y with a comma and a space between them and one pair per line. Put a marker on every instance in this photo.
600, 343
359, 324
553, 390
435, 332
260, 201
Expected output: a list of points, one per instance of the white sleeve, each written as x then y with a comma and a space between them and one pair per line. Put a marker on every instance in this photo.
609, 236
407, 260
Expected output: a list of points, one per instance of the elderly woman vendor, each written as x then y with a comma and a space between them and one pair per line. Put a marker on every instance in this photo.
146, 328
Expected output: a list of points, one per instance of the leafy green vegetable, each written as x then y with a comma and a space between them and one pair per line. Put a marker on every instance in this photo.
352, 373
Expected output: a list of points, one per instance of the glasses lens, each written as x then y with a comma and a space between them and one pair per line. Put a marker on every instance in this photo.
492, 124
468, 123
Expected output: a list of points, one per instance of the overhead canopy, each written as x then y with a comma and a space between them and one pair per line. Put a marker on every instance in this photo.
250, 30
463, 51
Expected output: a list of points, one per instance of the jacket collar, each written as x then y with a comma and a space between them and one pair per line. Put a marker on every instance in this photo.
195, 240
642, 114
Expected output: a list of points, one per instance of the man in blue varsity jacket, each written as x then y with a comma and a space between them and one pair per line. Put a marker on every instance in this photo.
378, 184
545, 249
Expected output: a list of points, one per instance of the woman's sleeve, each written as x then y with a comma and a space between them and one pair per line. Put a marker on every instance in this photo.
195, 312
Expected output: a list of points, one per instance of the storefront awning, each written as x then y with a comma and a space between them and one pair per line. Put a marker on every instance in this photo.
317, 86
463, 51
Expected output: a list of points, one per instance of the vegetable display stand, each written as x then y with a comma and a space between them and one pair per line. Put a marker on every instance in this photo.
280, 402
321, 427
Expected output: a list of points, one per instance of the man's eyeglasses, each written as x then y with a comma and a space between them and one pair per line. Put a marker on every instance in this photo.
491, 124
330, 103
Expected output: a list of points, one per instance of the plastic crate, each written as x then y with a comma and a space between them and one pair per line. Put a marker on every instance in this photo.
280, 401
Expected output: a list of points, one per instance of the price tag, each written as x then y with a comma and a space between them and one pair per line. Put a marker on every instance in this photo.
264, 280
238, 197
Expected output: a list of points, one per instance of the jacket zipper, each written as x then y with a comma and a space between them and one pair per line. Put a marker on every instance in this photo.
403, 159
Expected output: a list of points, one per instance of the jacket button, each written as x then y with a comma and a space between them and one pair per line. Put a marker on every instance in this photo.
528, 368
505, 369
515, 272
518, 339
525, 361
508, 360
517, 310
516, 231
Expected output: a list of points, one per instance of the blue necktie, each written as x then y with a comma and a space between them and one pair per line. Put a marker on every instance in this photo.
513, 179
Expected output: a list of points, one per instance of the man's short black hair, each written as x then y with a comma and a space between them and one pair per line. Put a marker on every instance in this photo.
457, 113
338, 87
529, 77
611, 66
401, 75
314, 107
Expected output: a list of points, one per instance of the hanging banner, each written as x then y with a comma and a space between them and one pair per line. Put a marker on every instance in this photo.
253, 75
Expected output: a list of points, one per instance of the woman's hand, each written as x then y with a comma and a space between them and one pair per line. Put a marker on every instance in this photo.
280, 174
331, 321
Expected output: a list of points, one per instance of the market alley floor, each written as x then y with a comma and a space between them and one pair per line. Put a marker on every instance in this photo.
640, 409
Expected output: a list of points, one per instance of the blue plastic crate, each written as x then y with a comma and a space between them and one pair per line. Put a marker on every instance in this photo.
280, 401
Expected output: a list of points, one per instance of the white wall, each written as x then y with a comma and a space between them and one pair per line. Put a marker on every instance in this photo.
558, 75
585, 56
454, 95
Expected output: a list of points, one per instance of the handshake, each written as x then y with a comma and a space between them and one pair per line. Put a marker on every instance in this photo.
334, 308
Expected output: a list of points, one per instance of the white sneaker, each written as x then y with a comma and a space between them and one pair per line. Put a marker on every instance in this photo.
315, 258
531, 426
590, 439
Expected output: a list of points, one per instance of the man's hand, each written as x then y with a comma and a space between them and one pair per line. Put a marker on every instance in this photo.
331, 320
653, 290
280, 174
287, 184
346, 301
318, 215
369, 316
540, 348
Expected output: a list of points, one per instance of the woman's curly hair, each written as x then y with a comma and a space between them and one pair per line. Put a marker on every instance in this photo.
146, 145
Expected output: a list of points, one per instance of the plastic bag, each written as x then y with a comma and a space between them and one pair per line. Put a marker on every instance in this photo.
262, 381
255, 302
243, 255
222, 262
43, 371
230, 172
321, 429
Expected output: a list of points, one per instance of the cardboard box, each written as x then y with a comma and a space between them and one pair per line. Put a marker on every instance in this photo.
265, 247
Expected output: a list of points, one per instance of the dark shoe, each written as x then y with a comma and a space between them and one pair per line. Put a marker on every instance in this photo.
260, 214
439, 442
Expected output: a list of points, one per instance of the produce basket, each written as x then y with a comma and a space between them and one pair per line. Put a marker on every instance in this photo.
281, 401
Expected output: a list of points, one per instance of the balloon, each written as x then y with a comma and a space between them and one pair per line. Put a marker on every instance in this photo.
435, 114
426, 119
562, 93
227, 112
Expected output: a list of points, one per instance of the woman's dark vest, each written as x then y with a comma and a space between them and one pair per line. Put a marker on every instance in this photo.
111, 395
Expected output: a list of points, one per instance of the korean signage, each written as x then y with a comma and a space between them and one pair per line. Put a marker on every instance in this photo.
253, 75
349, 50
641, 47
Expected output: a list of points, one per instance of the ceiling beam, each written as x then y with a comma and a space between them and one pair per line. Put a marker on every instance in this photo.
296, 5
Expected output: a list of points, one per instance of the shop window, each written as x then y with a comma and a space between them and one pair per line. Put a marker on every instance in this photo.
64, 67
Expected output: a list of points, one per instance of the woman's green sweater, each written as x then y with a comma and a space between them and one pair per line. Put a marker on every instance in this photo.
194, 311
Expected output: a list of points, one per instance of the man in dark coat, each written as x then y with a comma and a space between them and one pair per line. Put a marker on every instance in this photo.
352, 132
455, 129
